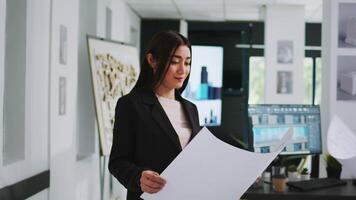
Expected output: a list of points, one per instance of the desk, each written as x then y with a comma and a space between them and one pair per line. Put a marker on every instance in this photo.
346, 192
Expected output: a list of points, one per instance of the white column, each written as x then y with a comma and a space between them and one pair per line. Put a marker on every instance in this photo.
183, 27
63, 91
336, 56
284, 54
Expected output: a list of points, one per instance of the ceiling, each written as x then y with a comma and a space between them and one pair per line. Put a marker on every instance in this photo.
218, 10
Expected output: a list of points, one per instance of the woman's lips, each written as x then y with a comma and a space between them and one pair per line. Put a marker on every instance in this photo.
179, 78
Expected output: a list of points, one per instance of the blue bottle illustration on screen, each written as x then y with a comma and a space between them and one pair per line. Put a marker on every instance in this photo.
203, 87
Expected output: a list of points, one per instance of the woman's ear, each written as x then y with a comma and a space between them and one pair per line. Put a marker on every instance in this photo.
151, 61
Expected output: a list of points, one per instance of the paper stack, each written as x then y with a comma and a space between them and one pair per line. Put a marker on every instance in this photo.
211, 169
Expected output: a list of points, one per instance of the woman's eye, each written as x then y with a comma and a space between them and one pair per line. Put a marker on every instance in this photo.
175, 61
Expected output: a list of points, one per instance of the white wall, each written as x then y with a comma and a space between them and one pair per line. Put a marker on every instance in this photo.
101, 17
85, 101
124, 21
72, 178
2, 49
63, 127
284, 23
346, 110
183, 27
87, 185
43, 195
52, 139
36, 94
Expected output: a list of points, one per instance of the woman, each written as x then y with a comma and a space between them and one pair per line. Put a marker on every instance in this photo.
153, 123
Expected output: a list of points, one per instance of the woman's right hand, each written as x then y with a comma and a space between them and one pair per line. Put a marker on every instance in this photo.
151, 182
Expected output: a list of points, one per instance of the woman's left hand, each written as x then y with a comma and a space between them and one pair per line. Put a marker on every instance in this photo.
151, 182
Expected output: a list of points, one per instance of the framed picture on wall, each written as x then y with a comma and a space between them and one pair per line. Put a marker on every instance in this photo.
284, 82
285, 52
63, 44
347, 25
346, 78
62, 85
114, 71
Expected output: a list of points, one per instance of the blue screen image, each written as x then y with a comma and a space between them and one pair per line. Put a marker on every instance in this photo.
271, 122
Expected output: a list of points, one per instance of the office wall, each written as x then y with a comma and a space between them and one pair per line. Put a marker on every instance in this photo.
74, 138
63, 89
2, 55
85, 101
330, 106
284, 23
87, 185
39, 196
36, 94
183, 27
124, 26
52, 124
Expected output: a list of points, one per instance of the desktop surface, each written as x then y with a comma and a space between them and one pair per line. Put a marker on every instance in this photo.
266, 192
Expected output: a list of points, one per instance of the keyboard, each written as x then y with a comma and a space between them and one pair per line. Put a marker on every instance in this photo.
314, 184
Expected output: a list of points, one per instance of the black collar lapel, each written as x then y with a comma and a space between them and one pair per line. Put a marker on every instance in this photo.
160, 116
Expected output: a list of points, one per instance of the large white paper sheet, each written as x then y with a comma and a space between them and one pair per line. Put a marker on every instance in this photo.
210, 169
341, 144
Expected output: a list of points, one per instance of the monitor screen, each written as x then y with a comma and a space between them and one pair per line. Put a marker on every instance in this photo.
205, 82
270, 123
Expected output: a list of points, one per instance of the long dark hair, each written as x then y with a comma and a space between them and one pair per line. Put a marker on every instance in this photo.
162, 47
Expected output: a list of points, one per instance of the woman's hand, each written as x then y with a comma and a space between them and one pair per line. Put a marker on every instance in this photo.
151, 182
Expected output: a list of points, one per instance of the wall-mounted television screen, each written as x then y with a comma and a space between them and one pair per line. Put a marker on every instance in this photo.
205, 83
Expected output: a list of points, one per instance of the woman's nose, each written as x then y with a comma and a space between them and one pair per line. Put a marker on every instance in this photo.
181, 68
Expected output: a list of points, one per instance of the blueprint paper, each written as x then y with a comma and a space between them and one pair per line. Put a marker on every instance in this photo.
211, 169
341, 143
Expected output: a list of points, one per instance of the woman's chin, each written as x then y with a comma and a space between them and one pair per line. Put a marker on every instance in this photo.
179, 86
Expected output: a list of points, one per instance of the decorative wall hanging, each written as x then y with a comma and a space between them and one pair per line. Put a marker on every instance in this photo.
115, 69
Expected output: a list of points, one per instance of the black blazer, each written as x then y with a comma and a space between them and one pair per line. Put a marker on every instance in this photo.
144, 138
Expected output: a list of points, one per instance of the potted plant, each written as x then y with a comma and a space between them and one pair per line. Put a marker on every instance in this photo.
292, 173
304, 175
333, 167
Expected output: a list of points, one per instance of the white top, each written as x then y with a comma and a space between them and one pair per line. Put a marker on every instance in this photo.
178, 119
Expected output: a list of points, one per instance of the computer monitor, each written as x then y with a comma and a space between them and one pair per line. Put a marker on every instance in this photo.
270, 123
